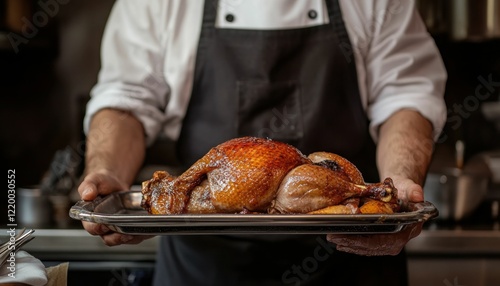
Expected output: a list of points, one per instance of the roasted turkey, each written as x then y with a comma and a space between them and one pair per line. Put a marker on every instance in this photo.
256, 175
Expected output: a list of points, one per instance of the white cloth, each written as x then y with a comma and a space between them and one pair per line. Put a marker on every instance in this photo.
149, 50
27, 270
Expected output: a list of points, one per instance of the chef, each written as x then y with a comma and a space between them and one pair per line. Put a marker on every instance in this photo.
359, 78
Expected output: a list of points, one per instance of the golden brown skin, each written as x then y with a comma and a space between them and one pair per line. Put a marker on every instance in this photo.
242, 174
309, 188
342, 166
255, 175
348, 171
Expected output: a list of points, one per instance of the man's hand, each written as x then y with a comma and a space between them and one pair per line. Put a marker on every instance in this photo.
384, 244
115, 152
100, 184
404, 151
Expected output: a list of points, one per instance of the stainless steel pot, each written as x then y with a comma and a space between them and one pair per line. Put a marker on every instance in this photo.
455, 193
33, 207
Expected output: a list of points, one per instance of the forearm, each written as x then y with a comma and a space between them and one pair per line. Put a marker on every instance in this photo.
403, 153
405, 146
115, 143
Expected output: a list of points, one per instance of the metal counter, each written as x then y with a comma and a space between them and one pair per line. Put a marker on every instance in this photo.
77, 244
455, 256
455, 242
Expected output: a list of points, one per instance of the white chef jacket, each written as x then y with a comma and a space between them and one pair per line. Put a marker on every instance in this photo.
149, 53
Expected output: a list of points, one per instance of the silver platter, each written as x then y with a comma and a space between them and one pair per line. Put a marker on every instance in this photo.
122, 213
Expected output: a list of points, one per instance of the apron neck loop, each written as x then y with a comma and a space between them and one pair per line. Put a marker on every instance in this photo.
210, 13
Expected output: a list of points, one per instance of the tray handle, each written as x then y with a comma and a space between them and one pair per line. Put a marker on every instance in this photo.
84, 210
426, 210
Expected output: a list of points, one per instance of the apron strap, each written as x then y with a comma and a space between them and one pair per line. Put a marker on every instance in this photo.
335, 16
210, 9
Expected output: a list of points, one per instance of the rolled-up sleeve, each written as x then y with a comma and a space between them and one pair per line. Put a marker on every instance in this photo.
404, 69
131, 76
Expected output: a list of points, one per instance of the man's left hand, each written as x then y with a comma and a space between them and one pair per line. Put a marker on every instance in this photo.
384, 244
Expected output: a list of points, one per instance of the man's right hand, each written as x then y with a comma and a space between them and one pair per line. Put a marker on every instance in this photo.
102, 183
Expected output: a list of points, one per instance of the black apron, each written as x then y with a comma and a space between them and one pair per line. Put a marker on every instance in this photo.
295, 86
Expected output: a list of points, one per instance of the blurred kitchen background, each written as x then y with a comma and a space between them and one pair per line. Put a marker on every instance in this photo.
48, 69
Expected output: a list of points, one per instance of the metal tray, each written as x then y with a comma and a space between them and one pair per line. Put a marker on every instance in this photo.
122, 212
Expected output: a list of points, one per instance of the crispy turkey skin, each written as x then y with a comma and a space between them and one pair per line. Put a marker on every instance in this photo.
242, 173
256, 175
